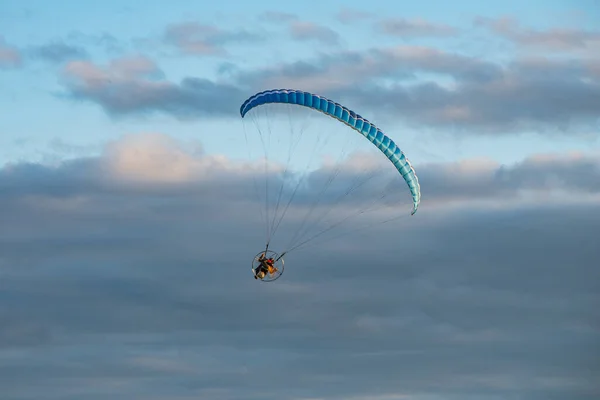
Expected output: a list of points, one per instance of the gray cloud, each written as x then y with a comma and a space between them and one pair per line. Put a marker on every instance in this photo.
468, 94
330, 74
195, 38
553, 39
302, 30
143, 291
562, 98
278, 16
104, 41
484, 97
136, 86
339, 71
414, 28
540, 176
59, 52
350, 15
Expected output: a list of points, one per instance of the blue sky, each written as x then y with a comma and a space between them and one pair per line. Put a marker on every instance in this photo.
130, 209
108, 30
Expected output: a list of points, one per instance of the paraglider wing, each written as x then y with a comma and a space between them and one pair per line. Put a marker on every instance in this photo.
350, 118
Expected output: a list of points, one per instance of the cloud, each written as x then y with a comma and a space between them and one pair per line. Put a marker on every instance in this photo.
155, 158
557, 39
423, 87
129, 291
336, 73
58, 52
199, 39
10, 57
104, 41
414, 28
475, 95
134, 85
278, 16
350, 15
302, 30
523, 97
545, 178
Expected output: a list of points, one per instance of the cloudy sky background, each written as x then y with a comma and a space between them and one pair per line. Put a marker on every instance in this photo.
126, 224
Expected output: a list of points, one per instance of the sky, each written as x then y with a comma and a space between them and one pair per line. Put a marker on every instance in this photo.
132, 204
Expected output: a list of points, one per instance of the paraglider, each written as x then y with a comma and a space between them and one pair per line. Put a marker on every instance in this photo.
313, 102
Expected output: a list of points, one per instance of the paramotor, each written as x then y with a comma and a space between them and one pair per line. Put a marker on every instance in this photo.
358, 177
